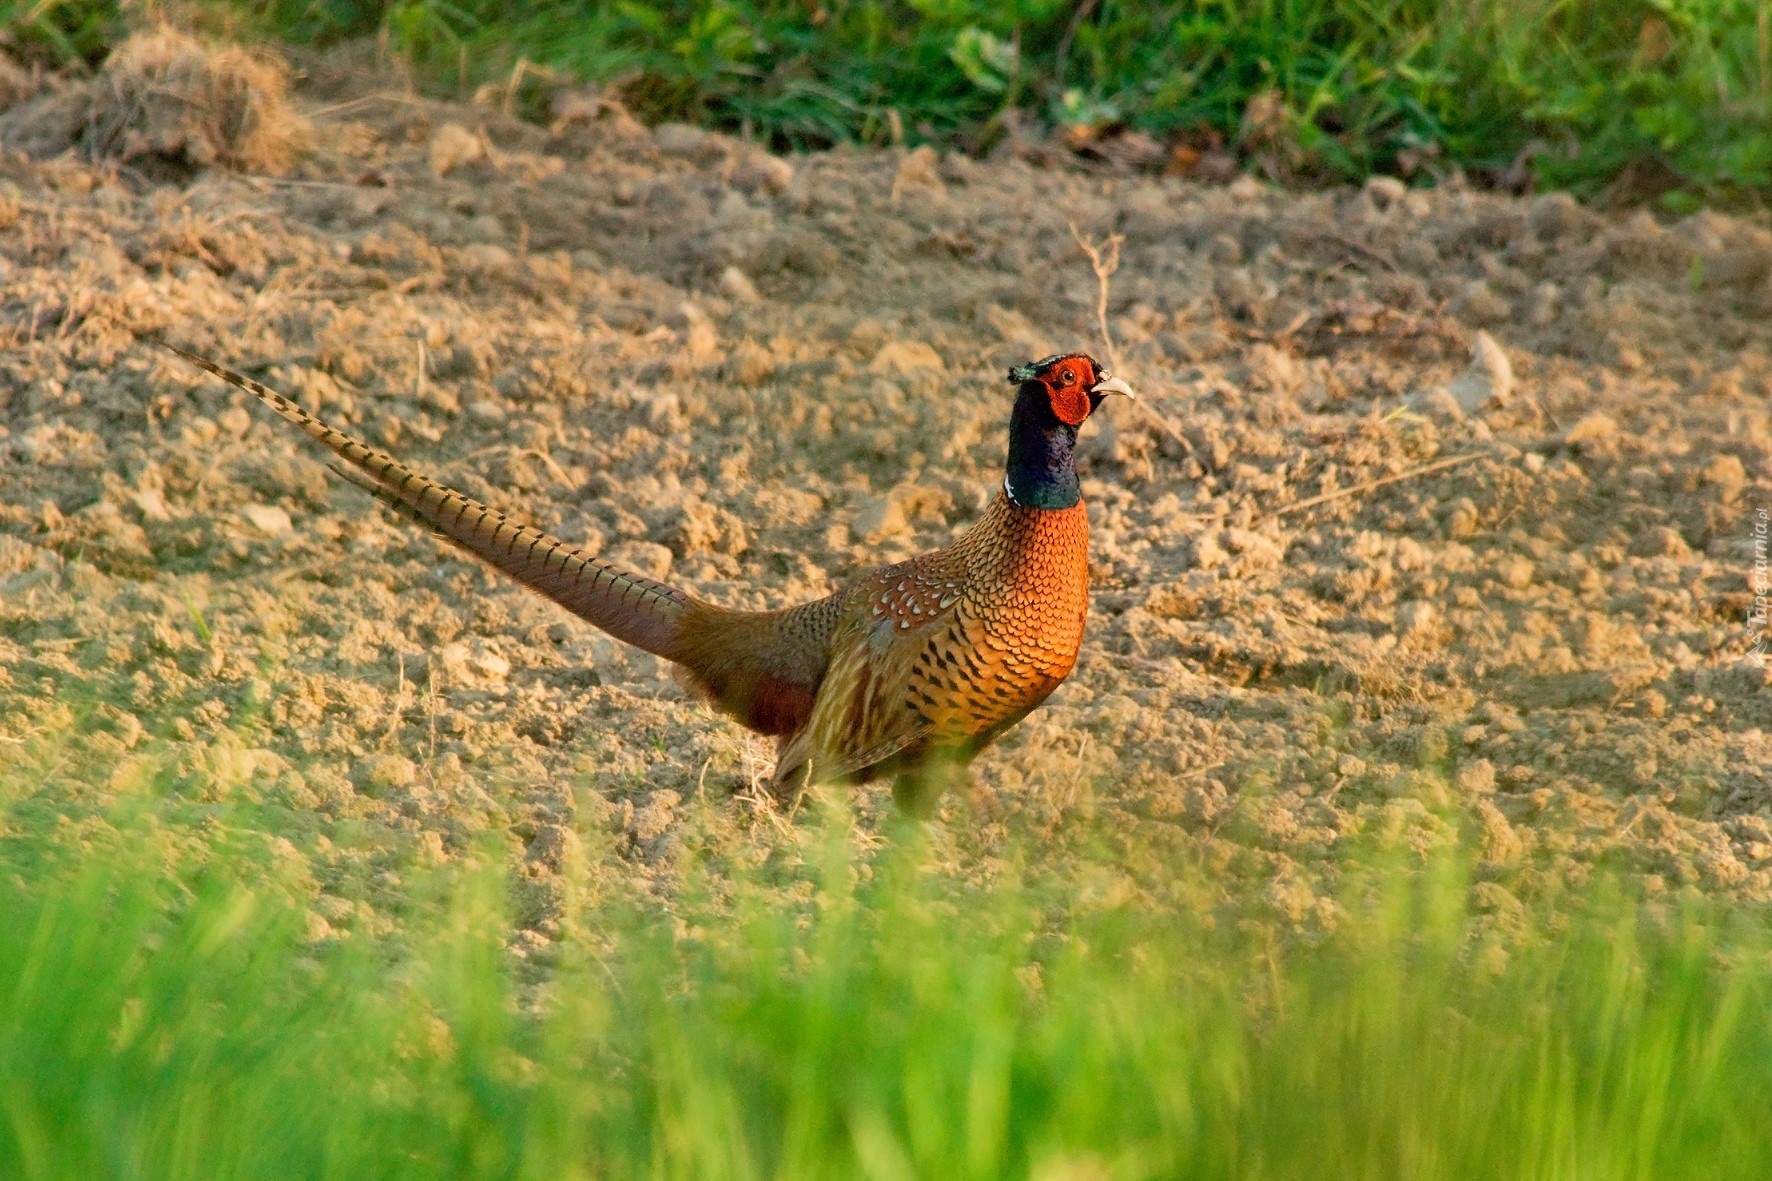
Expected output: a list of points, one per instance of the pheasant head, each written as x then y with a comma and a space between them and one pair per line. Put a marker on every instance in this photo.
1053, 397
1074, 384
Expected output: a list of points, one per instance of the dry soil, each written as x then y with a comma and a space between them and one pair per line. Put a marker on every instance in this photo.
757, 375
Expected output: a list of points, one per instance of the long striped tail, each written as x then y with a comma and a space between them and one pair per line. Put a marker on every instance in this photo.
629, 606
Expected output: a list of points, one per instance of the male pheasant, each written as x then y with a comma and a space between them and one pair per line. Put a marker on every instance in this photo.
909, 670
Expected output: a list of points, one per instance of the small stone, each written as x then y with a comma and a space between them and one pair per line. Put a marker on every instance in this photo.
1246, 188
750, 363
36, 445
1385, 191
473, 661
1726, 474
643, 557
1257, 550
23, 565
1515, 571
1280, 369
1115, 712
485, 258
1462, 519
880, 518
1501, 844
1208, 552
483, 228
1224, 249
1479, 305
1558, 215
552, 846
235, 421
1490, 379
906, 356
679, 139
1546, 305
269, 519
453, 145
317, 929
704, 528
656, 816
390, 772
576, 105
1415, 616
917, 170
1438, 402
1291, 897
760, 170
1660, 542
1476, 777
1492, 898
738, 285
1593, 431
700, 338
1624, 354
151, 504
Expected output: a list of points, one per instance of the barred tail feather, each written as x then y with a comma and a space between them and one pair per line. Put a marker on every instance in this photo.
629, 606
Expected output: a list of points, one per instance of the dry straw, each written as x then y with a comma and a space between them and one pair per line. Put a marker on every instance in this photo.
165, 98
164, 93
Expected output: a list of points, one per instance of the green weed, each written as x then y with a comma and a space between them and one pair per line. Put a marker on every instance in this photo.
169, 1010
1669, 98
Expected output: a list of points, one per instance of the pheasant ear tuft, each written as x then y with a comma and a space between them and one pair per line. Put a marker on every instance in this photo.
1033, 369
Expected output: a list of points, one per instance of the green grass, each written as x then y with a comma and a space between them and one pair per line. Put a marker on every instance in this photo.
164, 1013
1663, 97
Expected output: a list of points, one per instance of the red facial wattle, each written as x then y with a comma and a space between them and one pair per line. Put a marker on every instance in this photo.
1068, 386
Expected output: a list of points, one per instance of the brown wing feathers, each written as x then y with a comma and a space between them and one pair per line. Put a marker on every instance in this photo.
629, 606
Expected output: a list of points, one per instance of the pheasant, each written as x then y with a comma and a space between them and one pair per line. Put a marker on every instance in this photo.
909, 670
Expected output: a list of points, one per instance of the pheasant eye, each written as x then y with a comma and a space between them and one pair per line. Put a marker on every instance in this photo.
1067, 378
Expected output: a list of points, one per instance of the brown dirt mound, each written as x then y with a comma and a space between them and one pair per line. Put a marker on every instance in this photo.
164, 99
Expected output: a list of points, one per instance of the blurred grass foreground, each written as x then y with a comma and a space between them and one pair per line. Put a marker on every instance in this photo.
1625, 99
168, 1009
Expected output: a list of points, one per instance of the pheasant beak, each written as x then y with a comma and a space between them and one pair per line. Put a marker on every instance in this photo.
1112, 385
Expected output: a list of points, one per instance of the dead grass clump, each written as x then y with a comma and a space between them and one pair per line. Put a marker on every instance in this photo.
165, 101
164, 94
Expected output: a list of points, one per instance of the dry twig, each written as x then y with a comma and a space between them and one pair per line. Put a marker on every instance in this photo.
1439, 465
1104, 260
